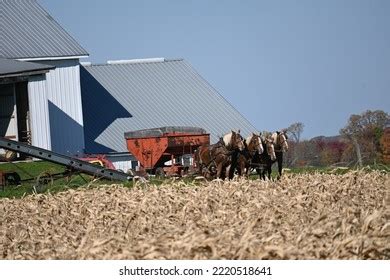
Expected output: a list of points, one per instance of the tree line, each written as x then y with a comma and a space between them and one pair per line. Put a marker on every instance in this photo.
360, 143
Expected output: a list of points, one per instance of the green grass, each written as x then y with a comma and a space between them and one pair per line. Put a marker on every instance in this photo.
32, 168
29, 171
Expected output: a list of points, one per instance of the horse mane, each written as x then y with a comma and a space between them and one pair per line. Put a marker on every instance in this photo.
220, 142
227, 138
274, 137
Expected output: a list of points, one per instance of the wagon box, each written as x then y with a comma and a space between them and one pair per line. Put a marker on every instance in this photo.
153, 147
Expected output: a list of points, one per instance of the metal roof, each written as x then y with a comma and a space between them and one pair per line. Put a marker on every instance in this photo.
123, 97
28, 31
12, 68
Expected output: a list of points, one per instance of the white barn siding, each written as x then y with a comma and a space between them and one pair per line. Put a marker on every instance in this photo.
55, 103
39, 116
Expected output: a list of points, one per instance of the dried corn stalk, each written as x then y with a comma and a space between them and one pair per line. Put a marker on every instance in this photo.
299, 217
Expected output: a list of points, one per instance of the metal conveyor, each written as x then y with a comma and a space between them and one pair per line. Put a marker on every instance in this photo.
70, 162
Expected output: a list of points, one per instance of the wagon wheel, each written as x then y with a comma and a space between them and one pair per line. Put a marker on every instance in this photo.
68, 174
160, 172
12, 179
43, 181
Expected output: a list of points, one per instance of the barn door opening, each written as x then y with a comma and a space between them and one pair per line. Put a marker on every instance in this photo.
8, 117
14, 112
23, 113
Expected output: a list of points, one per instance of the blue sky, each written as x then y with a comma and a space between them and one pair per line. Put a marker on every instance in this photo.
277, 62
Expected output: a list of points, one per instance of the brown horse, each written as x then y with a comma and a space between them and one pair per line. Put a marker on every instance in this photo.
281, 146
253, 145
213, 159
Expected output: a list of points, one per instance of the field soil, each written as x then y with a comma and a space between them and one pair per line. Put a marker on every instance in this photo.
301, 216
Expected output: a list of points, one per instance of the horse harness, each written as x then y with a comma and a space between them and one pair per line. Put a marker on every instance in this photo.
278, 146
221, 150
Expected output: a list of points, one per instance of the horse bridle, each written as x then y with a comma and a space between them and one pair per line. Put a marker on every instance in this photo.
246, 147
238, 139
259, 143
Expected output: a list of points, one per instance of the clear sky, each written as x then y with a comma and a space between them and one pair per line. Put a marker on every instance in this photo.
277, 62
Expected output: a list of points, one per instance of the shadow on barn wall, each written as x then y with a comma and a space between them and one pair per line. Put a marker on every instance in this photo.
100, 110
66, 134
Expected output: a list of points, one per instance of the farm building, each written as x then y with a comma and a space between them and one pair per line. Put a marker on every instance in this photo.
14, 107
55, 118
149, 93
77, 109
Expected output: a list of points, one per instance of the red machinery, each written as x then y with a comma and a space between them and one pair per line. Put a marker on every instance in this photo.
153, 147
99, 160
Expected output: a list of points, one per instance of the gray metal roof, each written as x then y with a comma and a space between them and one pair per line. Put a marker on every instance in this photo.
118, 98
28, 31
12, 68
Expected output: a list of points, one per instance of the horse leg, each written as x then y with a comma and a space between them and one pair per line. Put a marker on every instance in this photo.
241, 166
248, 170
198, 158
279, 158
261, 172
269, 170
219, 170
258, 171
233, 165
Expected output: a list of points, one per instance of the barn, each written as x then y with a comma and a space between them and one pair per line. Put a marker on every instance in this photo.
14, 107
149, 93
54, 112
86, 109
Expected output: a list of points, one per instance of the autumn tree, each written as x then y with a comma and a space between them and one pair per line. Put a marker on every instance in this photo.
330, 150
364, 132
294, 132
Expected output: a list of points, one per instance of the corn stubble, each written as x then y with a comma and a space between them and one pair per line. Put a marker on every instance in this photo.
313, 216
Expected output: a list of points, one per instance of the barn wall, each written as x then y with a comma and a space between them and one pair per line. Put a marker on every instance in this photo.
39, 116
55, 108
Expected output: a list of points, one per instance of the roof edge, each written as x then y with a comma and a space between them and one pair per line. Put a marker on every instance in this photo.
25, 73
50, 58
131, 61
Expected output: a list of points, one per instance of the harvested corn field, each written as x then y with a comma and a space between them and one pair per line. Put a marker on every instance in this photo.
303, 216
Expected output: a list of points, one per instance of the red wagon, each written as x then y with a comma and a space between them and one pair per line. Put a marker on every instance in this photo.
154, 147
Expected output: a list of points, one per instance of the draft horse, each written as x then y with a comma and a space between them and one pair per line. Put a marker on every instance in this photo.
263, 161
252, 146
213, 159
281, 146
